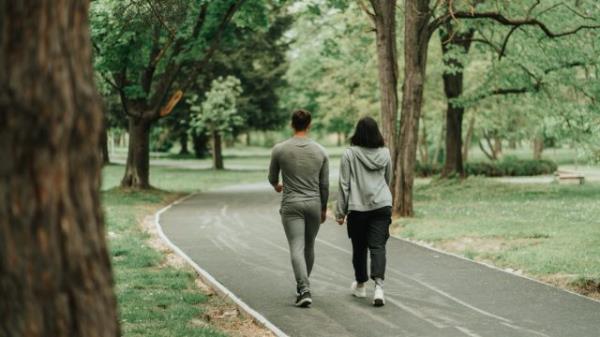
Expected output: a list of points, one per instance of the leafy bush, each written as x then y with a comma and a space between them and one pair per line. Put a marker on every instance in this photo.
507, 167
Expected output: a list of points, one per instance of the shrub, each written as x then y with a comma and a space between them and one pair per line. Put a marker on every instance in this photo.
509, 166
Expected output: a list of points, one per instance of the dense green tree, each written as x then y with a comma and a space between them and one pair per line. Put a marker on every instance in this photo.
217, 116
152, 51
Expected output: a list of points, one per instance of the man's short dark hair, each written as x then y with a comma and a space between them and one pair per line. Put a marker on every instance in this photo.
301, 120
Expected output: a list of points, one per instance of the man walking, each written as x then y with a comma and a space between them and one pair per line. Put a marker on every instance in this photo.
304, 169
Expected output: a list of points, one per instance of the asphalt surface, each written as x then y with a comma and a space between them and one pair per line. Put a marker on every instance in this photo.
235, 235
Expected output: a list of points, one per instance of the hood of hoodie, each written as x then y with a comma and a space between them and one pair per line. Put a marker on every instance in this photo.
372, 159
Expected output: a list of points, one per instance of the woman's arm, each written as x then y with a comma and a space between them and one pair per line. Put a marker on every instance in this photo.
344, 188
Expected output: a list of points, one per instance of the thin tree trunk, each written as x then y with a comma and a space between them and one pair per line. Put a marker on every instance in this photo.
512, 144
497, 147
55, 272
538, 147
217, 151
468, 139
387, 65
248, 139
439, 144
453, 88
200, 143
339, 139
104, 146
416, 38
183, 141
137, 168
424, 145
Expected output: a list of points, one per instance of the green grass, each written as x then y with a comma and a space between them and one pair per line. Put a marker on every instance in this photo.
544, 230
184, 180
155, 299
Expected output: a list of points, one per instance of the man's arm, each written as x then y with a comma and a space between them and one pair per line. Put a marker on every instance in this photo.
324, 183
274, 171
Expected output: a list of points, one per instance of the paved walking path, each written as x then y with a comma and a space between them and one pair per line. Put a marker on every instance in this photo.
236, 236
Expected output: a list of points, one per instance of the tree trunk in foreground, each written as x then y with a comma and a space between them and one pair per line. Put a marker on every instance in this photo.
387, 62
416, 40
137, 168
453, 88
217, 151
55, 273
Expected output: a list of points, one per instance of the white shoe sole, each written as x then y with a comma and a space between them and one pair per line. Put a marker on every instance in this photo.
304, 303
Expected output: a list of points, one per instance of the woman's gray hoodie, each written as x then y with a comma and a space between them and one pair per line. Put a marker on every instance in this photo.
365, 176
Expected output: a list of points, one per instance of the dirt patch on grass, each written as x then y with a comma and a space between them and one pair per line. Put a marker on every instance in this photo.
485, 246
586, 287
220, 313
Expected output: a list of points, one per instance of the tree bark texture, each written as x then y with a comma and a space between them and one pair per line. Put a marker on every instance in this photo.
416, 39
137, 168
387, 60
453, 88
55, 272
217, 151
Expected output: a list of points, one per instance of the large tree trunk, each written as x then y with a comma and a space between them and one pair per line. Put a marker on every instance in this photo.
55, 273
453, 88
387, 60
468, 139
416, 40
217, 151
137, 168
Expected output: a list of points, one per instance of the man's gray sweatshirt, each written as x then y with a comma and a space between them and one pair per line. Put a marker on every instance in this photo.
304, 167
365, 176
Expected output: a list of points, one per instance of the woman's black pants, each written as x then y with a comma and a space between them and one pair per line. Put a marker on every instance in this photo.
369, 232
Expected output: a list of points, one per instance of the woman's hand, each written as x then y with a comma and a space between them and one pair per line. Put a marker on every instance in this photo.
340, 221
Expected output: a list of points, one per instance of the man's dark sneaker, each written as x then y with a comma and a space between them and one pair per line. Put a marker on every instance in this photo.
304, 300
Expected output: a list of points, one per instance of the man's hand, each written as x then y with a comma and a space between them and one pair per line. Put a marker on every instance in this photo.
323, 215
278, 188
340, 221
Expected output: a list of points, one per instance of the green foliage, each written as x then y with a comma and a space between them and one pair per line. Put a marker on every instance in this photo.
218, 113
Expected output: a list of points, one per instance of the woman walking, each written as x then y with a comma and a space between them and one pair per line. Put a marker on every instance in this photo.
365, 203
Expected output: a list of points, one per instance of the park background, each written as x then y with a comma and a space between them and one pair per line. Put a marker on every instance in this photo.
505, 105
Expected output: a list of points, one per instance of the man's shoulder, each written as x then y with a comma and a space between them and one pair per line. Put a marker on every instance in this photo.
321, 148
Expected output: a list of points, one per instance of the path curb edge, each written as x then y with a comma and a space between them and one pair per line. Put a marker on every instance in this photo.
209, 279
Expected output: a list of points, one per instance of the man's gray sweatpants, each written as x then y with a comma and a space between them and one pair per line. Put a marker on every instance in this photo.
301, 221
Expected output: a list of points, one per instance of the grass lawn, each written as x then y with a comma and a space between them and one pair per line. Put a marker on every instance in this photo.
551, 232
156, 299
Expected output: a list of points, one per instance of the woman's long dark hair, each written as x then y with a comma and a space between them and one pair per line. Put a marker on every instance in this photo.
367, 134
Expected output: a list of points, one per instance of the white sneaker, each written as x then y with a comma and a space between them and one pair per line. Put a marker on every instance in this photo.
358, 291
378, 298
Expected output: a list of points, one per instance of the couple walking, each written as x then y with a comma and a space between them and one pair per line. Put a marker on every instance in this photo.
364, 201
